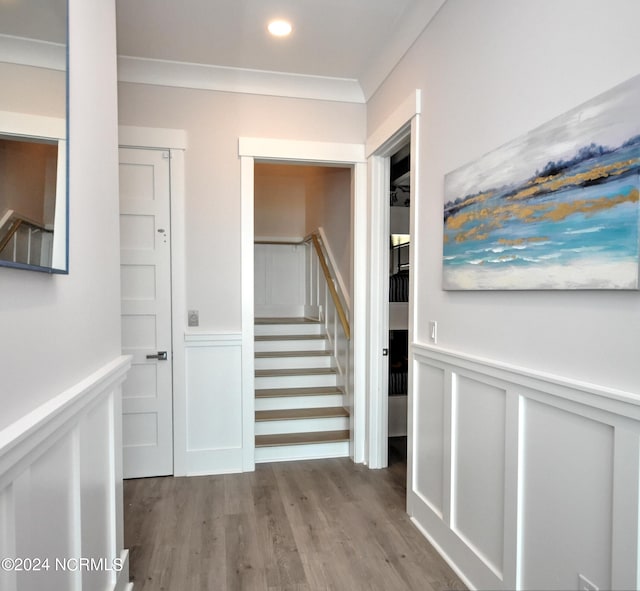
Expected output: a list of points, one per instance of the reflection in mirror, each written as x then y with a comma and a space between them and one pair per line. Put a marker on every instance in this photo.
33, 128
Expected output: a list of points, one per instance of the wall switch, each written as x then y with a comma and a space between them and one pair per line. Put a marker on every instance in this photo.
194, 318
585, 584
433, 331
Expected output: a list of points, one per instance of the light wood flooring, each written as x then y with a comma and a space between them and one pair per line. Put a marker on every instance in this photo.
303, 526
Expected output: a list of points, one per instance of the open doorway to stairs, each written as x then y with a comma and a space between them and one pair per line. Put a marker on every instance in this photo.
265, 150
303, 269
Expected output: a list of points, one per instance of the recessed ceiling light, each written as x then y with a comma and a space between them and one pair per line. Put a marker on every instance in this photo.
279, 28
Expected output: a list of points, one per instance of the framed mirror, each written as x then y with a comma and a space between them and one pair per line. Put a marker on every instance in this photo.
33, 136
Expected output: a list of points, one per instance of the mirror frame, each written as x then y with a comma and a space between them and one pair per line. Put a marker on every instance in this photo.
26, 125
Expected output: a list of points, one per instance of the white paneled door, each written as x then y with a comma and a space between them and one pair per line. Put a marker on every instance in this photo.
145, 267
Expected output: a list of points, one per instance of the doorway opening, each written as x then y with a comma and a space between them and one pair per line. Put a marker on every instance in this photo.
398, 301
303, 268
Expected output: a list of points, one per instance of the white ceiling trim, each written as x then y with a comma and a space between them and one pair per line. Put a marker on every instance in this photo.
32, 52
206, 77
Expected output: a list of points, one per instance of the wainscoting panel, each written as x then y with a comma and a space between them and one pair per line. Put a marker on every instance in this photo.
279, 276
478, 467
524, 480
567, 460
214, 403
61, 491
429, 439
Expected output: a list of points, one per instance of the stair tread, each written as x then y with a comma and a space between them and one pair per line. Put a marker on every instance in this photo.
286, 321
290, 337
315, 391
301, 413
274, 354
301, 438
305, 371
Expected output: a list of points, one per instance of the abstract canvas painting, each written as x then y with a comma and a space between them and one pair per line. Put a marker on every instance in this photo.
555, 209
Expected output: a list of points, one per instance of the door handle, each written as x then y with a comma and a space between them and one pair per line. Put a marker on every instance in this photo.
160, 356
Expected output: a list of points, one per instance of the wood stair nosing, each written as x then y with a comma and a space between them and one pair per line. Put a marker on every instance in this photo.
306, 371
301, 413
267, 321
276, 354
314, 391
290, 337
301, 438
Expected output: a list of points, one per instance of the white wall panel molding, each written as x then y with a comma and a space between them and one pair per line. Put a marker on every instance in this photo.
511, 466
279, 275
395, 123
300, 150
226, 79
131, 136
213, 404
598, 396
66, 454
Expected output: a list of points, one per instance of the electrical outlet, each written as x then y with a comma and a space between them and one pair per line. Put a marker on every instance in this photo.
433, 331
585, 584
193, 318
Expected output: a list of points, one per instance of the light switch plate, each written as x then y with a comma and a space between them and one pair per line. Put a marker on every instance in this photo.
433, 331
193, 318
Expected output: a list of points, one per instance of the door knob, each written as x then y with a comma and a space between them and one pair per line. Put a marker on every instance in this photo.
160, 356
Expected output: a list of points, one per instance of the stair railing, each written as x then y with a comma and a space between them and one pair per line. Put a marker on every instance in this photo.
11, 224
314, 238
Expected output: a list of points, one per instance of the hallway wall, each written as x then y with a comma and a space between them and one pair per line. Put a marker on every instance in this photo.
525, 413
214, 121
490, 72
58, 338
60, 363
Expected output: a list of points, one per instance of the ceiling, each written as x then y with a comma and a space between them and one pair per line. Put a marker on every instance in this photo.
359, 40
338, 50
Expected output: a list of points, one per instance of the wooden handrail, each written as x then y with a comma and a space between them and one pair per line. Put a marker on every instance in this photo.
17, 220
12, 230
332, 288
313, 237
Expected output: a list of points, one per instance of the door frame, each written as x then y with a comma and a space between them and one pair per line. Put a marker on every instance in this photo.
175, 142
403, 122
266, 149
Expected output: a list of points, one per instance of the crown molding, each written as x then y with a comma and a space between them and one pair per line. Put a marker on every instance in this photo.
208, 77
32, 52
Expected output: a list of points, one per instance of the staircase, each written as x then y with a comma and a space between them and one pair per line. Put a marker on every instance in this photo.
300, 410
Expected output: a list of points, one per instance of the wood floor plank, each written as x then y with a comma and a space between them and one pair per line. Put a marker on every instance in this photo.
303, 526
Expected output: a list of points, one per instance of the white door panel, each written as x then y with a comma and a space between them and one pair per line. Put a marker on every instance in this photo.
145, 273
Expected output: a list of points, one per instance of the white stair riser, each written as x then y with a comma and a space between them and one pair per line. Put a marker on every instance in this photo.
279, 329
303, 381
284, 453
293, 345
286, 402
302, 425
293, 362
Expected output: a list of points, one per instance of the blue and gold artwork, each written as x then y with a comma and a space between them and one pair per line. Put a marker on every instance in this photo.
555, 209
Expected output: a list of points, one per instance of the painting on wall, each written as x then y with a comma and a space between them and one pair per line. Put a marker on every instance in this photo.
555, 209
